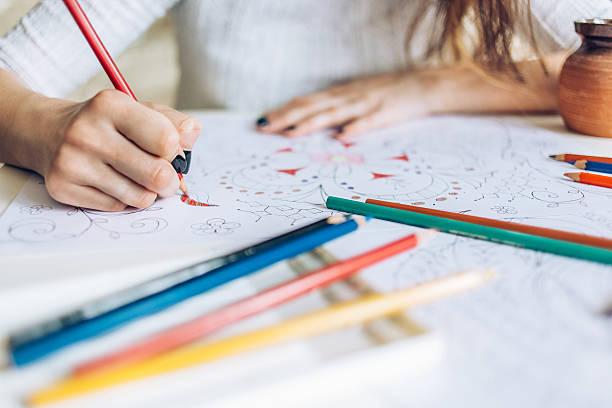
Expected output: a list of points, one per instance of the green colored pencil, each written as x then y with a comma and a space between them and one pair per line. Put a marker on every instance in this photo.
501, 236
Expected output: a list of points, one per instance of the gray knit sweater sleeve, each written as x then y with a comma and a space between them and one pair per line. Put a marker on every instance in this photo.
47, 51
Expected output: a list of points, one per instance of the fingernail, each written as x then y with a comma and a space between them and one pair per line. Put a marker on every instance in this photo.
338, 132
262, 122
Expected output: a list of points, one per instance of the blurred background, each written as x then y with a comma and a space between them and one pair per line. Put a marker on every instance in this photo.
155, 49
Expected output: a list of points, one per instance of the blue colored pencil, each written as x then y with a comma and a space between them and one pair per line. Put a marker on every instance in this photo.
600, 167
22, 353
122, 297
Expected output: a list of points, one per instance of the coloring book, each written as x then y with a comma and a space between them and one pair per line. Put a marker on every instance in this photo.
263, 185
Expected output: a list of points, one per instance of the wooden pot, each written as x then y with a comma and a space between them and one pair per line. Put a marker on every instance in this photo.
585, 92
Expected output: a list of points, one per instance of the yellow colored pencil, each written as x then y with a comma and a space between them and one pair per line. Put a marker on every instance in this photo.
361, 310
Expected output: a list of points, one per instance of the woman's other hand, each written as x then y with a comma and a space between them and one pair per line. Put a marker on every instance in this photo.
111, 152
384, 100
355, 107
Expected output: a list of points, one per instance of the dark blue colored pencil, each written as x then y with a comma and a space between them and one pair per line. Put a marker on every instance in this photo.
600, 167
117, 299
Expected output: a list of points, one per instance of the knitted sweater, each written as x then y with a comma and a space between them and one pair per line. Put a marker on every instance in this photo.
251, 54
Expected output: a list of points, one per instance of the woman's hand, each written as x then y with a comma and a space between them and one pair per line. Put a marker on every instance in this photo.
355, 107
110, 152
383, 100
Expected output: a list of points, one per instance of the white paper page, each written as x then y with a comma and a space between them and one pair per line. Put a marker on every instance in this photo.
534, 337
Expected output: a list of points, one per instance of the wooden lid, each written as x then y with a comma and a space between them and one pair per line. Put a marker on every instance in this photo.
594, 27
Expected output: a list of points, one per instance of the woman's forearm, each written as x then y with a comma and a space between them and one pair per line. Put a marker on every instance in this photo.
465, 89
383, 100
23, 126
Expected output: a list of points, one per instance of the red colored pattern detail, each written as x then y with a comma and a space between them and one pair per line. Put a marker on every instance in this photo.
194, 203
403, 157
291, 172
377, 176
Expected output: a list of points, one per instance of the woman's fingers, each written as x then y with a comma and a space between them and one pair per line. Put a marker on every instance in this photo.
83, 170
147, 128
85, 196
371, 121
295, 111
189, 128
116, 185
334, 116
153, 173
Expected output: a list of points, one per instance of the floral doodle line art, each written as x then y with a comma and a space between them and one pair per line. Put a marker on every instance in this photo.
38, 229
298, 172
36, 209
288, 210
216, 226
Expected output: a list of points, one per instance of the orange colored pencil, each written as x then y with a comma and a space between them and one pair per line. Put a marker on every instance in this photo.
506, 225
591, 178
567, 157
212, 322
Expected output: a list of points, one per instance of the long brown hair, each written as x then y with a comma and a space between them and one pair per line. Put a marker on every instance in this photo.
494, 22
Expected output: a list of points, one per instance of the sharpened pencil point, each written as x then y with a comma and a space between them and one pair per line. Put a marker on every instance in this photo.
426, 235
361, 221
182, 185
337, 219
581, 164
489, 274
573, 176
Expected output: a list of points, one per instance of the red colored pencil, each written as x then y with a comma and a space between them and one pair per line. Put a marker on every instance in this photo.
591, 178
195, 329
567, 157
511, 226
107, 62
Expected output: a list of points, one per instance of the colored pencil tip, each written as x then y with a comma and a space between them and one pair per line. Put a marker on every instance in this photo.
558, 157
581, 164
337, 219
182, 185
489, 274
426, 235
573, 176
481, 276
361, 220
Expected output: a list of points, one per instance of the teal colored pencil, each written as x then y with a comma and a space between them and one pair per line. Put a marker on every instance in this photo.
501, 236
